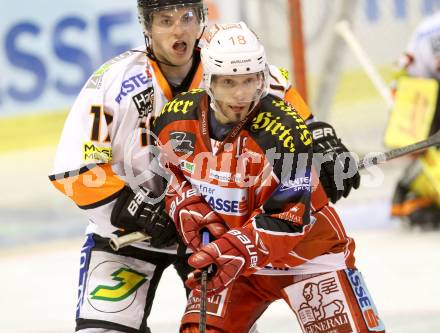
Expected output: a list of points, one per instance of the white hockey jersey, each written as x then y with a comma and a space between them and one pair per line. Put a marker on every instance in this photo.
423, 51
104, 144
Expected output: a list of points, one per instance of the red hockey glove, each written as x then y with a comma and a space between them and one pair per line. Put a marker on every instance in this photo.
235, 253
191, 213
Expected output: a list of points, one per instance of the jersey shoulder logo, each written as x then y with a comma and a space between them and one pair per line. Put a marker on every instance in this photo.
95, 80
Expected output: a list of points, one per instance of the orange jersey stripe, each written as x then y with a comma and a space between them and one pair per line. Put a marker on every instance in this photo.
197, 78
293, 97
90, 185
163, 83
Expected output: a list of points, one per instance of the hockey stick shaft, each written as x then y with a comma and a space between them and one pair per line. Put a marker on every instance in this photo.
118, 242
379, 158
204, 290
434, 140
343, 29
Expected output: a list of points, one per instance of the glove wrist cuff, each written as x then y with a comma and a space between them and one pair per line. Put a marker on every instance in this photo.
322, 131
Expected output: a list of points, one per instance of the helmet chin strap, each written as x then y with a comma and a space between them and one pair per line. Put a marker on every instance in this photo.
213, 103
214, 106
217, 109
258, 96
150, 54
165, 62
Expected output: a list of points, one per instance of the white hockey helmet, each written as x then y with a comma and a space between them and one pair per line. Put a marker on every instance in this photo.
233, 49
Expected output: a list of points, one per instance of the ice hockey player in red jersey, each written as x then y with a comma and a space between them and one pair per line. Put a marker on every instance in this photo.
101, 153
242, 158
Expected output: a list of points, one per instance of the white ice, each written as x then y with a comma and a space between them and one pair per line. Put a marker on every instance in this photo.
39, 279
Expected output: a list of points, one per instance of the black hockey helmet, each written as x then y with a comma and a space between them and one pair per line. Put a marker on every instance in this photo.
154, 4
146, 8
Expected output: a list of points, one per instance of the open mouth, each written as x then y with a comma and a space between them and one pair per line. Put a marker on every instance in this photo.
180, 47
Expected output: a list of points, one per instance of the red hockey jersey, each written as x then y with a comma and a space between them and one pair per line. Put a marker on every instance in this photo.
259, 177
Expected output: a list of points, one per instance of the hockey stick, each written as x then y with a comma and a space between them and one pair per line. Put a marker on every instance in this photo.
204, 289
434, 140
118, 242
343, 29
379, 158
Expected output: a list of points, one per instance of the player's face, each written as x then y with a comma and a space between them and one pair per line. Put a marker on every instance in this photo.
174, 33
234, 95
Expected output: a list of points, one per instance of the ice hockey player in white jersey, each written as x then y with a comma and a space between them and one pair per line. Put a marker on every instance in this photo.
422, 55
100, 159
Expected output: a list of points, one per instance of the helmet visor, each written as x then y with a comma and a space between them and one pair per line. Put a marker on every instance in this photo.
239, 89
166, 19
233, 97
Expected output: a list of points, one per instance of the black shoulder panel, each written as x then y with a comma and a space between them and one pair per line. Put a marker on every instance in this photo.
287, 144
182, 107
278, 125
270, 223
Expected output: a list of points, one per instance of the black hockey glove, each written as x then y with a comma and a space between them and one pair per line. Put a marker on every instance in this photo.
338, 168
133, 212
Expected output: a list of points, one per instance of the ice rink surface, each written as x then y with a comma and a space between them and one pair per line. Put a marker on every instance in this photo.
40, 239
